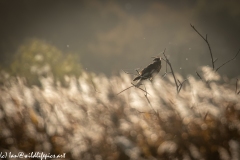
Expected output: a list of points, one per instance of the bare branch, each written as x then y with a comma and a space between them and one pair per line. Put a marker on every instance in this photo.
125, 89
181, 84
149, 101
199, 75
166, 67
215, 60
150, 104
141, 89
171, 70
166, 72
164, 75
206, 40
228, 61
131, 87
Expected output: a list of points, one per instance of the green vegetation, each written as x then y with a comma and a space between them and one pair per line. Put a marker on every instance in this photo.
37, 58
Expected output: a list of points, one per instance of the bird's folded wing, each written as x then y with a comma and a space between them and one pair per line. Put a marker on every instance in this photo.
148, 70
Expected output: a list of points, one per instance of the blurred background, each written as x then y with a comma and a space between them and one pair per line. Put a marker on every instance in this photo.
107, 36
49, 41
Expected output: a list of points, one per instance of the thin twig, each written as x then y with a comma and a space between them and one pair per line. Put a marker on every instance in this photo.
206, 40
166, 67
199, 75
138, 72
228, 61
131, 87
125, 89
141, 89
181, 84
145, 89
149, 101
171, 70
128, 87
236, 86
166, 72
202, 79
94, 87
205, 115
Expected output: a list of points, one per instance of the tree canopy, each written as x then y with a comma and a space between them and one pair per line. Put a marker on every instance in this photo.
38, 58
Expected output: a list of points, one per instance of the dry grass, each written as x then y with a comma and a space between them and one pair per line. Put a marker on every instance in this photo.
87, 120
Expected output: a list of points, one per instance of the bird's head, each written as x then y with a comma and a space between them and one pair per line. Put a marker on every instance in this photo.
156, 59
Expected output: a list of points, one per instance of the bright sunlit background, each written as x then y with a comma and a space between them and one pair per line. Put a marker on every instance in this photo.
110, 36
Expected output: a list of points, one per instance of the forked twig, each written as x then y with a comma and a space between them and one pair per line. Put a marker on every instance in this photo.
131, 87
228, 61
166, 72
209, 47
206, 40
171, 70
125, 90
141, 89
146, 93
181, 84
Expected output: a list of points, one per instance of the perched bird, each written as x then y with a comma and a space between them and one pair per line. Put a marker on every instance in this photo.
149, 71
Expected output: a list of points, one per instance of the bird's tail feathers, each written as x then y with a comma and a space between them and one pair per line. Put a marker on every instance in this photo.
139, 83
137, 78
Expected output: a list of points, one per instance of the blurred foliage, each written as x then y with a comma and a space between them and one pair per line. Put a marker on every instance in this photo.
37, 58
87, 120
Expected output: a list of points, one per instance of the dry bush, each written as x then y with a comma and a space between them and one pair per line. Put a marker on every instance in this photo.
87, 120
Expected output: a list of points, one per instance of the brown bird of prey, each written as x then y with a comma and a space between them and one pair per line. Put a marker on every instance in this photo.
149, 71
